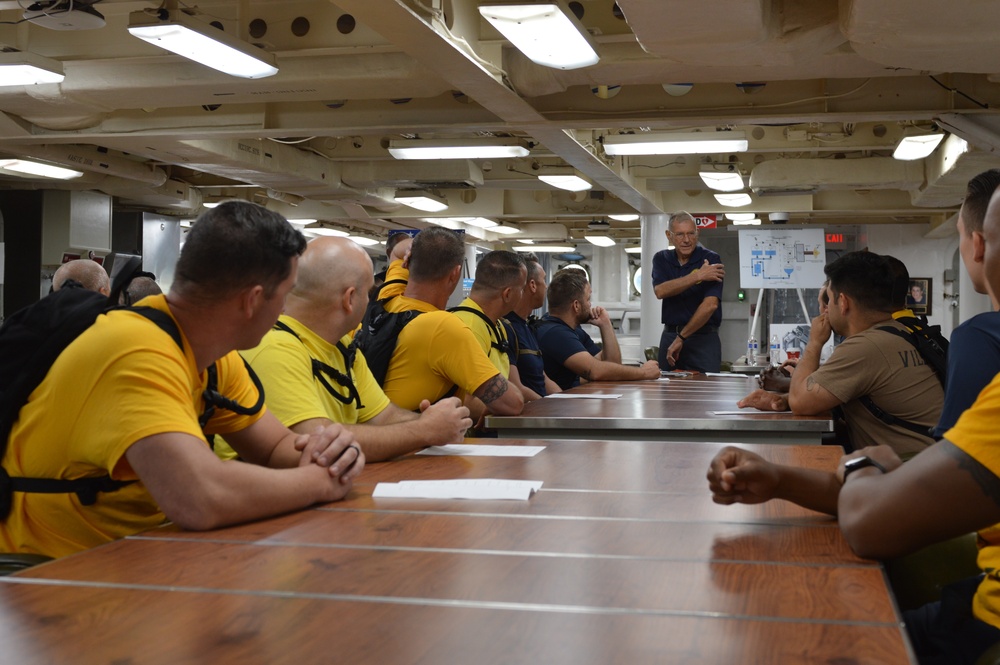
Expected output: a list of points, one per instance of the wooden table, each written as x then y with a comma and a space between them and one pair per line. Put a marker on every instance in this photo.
621, 557
681, 409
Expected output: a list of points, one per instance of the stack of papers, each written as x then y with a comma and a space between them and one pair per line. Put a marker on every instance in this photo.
482, 450
467, 488
582, 396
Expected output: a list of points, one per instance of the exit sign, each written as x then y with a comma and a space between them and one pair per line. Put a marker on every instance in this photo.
835, 237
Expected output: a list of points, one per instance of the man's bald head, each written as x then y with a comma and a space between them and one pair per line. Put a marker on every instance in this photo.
330, 266
88, 273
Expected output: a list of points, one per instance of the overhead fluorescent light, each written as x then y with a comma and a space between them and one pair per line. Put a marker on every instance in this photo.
526, 241
425, 201
568, 181
679, 143
475, 148
363, 241
734, 200
740, 216
175, 31
722, 181
481, 222
301, 222
747, 222
624, 218
545, 248
548, 34
324, 231
28, 167
633, 250
916, 146
505, 230
24, 68
600, 240
210, 204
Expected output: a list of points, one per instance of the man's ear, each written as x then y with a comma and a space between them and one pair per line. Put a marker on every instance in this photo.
251, 300
347, 299
978, 246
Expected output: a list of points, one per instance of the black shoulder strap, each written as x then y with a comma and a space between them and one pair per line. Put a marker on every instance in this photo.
321, 370
500, 343
889, 419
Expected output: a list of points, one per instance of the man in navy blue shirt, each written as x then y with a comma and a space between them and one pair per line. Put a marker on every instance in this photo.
688, 279
568, 351
524, 352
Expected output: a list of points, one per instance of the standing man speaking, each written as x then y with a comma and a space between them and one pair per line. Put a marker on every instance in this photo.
688, 279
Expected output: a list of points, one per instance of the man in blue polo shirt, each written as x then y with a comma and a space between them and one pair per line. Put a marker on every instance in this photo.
688, 279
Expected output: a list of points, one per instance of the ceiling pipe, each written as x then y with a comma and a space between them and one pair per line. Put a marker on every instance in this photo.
91, 159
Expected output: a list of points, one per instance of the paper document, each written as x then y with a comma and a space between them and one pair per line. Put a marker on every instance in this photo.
726, 375
580, 396
483, 450
749, 411
470, 488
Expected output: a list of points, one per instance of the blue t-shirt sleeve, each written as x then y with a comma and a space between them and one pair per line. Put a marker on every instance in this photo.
659, 272
973, 361
586, 342
558, 343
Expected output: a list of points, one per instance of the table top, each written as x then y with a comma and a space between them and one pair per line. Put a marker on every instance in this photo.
688, 404
621, 556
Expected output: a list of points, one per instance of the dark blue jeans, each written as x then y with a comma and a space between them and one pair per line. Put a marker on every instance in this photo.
945, 632
701, 352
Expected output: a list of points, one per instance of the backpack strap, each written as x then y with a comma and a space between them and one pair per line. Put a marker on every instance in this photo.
321, 370
889, 419
499, 342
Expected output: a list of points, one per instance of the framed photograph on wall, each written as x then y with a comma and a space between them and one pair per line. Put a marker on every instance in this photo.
918, 295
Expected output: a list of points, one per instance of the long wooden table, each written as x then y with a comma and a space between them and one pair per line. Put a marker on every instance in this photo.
680, 409
621, 557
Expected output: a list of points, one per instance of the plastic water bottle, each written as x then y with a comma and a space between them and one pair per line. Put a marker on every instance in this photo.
751, 350
775, 351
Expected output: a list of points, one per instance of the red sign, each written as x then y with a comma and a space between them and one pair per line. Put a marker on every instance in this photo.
705, 221
835, 237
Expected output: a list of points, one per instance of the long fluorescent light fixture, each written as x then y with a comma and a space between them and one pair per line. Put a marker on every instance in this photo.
481, 222
505, 230
569, 182
624, 218
544, 248
177, 32
753, 221
363, 241
600, 241
916, 146
722, 181
28, 167
548, 34
734, 200
634, 250
680, 143
485, 148
425, 201
24, 68
324, 231
740, 216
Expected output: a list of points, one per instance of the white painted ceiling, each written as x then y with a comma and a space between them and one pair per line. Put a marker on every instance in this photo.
823, 88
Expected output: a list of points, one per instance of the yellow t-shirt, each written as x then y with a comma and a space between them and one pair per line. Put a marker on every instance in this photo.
975, 433
122, 380
487, 335
434, 352
284, 366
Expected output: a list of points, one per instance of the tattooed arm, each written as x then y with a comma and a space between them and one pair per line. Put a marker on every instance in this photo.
806, 397
939, 494
500, 396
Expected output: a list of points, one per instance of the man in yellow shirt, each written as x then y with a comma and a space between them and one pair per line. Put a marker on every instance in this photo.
123, 400
302, 362
436, 353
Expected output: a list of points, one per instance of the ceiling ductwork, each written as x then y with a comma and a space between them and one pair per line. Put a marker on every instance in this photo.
797, 176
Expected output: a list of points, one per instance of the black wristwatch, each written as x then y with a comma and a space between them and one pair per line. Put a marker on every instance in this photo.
852, 465
683, 338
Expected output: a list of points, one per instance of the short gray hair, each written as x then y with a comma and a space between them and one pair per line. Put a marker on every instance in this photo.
680, 216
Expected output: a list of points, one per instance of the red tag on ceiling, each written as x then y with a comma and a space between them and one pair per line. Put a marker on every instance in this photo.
705, 221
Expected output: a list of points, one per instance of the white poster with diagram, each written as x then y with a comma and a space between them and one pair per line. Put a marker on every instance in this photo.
793, 337
782, 258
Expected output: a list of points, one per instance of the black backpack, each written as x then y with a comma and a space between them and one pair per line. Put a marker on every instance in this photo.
933, 349
321, 370
30, 341
378, 336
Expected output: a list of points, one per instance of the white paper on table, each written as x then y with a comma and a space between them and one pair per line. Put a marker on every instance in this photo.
581, 396
466, 488
727, 375
745, 412
483, 450
663, 378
